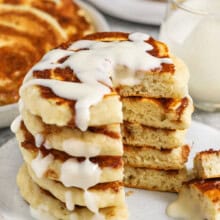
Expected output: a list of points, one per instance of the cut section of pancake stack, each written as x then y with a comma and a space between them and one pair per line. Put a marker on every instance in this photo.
71, 113
156, 117
30, 28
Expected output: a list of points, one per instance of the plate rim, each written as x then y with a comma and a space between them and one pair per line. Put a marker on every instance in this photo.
134, 17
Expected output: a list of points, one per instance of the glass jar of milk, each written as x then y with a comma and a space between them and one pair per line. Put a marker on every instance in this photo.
192, 31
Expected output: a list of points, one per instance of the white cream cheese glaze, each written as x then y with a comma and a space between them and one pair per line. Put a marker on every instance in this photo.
187, 207
94, 64
15, 125
47, 145
80, 174
90, 201
85, 95
39, 139
79, 148
40, 164
69, 201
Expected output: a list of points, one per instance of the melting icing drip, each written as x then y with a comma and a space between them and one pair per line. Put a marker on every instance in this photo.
39, 139
47, 145
187, 207
86, 95
16, 124
95, 68
40, 164
90, 201
20, 105
82, 175
69, 201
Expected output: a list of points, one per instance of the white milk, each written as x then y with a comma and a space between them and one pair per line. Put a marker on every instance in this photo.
195, 38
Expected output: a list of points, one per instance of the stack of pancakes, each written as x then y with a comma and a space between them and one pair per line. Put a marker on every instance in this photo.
28, 29
156, 116
69, 173
73, 163
72, 105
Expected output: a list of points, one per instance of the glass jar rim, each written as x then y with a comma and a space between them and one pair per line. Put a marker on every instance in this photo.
193, 10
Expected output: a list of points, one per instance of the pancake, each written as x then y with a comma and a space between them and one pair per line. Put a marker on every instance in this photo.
104, 140
74, 20
169, 80
52, 163
158, 113
207, 164
156, 159
81, 87
63, 68
136, 134
152, 179
105, 195
198, 199
28, 29
56, 111
40, 199
21, 45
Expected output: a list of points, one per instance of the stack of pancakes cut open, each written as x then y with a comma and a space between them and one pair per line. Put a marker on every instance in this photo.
153, 136
156, 117
72, 107
30, 28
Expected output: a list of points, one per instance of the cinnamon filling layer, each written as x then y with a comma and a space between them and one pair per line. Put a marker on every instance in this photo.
127, 124
185, 149
206, 185
168, 104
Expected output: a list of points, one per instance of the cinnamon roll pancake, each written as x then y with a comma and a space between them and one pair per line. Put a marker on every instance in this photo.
207, 163
173, 114
106, 195
54, 162
44, 204
73, 103
28, 29
101, 140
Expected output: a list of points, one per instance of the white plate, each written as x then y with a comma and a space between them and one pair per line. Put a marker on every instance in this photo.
98, 19
142, 204
9, 112
141, 11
